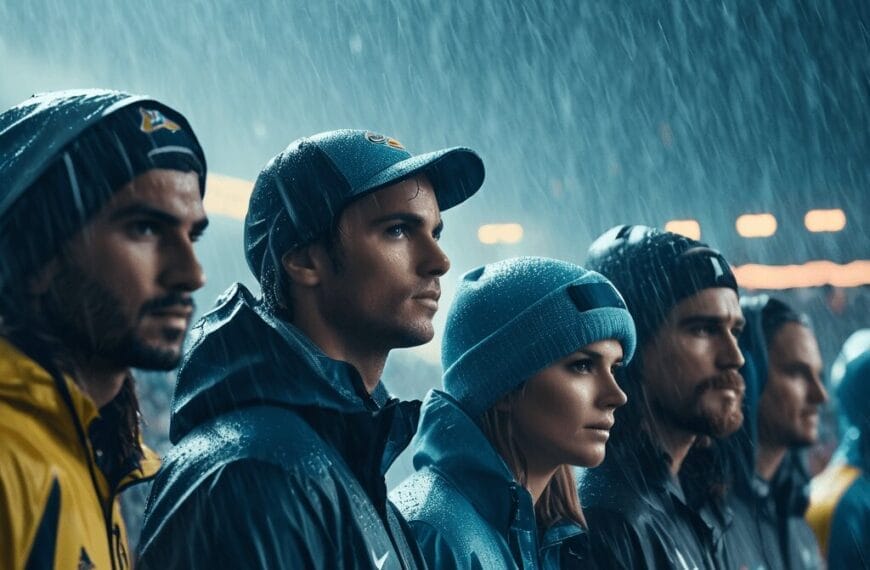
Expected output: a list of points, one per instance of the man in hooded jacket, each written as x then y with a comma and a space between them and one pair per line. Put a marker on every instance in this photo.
839, 510
683, 386
100, 203
283, 430
784, 393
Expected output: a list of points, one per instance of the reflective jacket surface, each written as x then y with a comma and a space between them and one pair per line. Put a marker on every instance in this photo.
464, 505
280, 455
57, 507
640, 517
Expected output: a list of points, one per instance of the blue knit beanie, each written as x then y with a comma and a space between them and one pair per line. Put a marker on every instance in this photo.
513, 318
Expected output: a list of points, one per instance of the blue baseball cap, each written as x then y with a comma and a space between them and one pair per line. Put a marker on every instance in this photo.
301, 192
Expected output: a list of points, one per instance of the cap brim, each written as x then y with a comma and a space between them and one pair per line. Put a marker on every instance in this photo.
456, 174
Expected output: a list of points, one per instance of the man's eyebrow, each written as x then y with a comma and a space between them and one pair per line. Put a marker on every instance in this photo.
147, 212
406, 217
141, 210
709, 320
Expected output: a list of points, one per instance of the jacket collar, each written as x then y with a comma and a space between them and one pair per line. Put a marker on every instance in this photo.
241, 355
449, 442
25, 384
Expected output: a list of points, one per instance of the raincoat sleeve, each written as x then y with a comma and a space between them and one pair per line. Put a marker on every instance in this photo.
248, 514
849, 545
436, 550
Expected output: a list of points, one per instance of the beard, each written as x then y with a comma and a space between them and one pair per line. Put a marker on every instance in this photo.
89, 320
709, 412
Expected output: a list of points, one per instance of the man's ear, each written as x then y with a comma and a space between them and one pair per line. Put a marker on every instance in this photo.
304, 265
39, 283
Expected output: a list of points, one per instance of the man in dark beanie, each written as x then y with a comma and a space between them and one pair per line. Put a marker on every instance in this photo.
683, 387
283, 430
784, 394
100, 203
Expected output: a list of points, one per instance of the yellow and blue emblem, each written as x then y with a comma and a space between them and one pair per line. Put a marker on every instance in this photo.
153, 120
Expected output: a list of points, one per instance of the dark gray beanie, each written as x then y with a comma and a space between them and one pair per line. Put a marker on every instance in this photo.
513, 318
654, 270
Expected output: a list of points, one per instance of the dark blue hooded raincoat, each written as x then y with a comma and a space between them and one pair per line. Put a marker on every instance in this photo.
464, 505
280, 455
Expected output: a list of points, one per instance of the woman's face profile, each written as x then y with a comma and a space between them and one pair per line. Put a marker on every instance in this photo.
565, 411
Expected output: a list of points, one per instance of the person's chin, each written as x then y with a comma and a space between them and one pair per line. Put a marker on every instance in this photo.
723, 416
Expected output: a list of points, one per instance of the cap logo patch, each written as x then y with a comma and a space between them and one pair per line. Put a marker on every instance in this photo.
590, 296
381, 139
153, 120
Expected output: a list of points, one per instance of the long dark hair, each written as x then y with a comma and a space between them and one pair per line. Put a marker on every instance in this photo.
559, 500
22, 325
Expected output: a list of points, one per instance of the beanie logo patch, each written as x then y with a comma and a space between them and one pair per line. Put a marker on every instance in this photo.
589, 296
153, 120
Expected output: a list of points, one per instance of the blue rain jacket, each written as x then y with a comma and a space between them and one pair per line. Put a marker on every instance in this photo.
464, 505
280, 455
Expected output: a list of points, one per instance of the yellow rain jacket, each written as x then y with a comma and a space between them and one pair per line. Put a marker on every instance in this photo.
57, 509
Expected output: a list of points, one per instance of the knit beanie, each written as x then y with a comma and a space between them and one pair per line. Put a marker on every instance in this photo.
654, 270
513, 318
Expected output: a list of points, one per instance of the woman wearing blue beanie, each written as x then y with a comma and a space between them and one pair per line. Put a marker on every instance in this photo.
529, 353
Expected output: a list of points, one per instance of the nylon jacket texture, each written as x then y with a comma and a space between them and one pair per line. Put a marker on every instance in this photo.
640, 517
464, 505
768, 531
58, 508
280, 455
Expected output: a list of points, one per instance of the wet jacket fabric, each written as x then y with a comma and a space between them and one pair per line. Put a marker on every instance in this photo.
280, 455
58, 500
768, 531
839, 511
464, 505
639, 516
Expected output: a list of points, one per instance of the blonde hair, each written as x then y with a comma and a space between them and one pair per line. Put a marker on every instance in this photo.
559, 499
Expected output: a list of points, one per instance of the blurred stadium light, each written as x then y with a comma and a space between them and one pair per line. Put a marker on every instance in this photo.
500, 233
756, 225
825, 220
688, 228
228, 196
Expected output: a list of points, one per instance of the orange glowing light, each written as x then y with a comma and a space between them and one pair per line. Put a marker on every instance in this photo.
688, 228
500, 233
227, 196
756, 225
810, 274
825, 220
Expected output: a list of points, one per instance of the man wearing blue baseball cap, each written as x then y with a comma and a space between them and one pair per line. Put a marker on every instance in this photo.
283, 429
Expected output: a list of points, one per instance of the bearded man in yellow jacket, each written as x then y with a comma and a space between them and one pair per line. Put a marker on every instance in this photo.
100, 206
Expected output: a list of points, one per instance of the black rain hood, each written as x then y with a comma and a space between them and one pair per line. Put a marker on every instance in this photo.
64, 154
286, 442
234, 361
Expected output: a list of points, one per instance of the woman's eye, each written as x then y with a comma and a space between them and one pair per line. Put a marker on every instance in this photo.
581, 366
